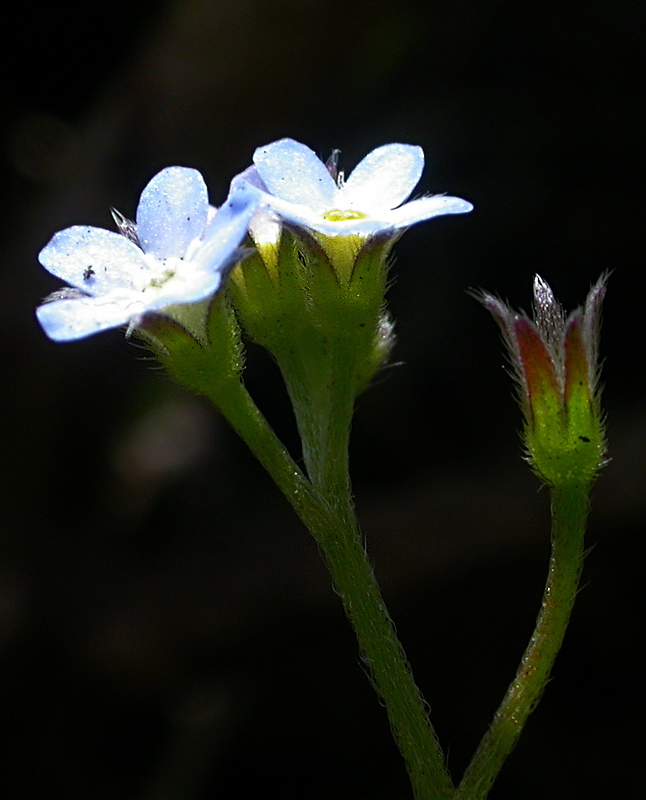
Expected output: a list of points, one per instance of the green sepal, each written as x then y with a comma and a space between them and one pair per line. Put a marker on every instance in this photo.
207, 364
269, 294
299, 302
565, 435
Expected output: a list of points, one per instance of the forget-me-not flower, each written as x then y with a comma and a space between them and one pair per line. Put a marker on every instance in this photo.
295, 184
177, 252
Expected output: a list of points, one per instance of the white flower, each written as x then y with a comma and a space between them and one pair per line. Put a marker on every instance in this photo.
178, 252
294, 183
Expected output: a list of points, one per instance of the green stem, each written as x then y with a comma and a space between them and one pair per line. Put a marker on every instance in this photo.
354, 581
243, 415
323, 387
569, 515
324, 420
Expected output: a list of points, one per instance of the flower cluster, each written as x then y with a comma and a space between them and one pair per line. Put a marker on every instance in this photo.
180, 249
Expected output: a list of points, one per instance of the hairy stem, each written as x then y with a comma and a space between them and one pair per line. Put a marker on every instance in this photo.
569, 515
324, 420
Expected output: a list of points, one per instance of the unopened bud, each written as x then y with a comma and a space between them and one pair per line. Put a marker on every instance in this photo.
555, 361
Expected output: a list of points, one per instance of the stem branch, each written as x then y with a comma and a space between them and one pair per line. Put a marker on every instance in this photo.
569, 515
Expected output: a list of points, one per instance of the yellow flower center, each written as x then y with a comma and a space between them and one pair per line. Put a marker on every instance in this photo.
161, 280
337, 215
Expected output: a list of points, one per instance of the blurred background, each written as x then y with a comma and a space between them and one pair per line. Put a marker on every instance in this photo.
167, 631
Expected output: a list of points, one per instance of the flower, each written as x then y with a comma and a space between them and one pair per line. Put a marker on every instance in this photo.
178, 252
555, 359
295, 184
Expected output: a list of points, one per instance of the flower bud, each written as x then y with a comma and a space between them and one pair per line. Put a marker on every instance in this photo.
555, 362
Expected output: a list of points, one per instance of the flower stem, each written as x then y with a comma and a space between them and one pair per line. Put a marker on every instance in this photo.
243, 415
324, 420
322, 382
354, 581
570, 505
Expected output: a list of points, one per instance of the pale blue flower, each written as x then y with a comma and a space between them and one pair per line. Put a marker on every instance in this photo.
295, 184
178, 252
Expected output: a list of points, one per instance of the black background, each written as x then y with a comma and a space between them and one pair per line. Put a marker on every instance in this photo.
166, 627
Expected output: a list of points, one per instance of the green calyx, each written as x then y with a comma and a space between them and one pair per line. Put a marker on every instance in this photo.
566, 443
305, 298
555, 360
317, 305
564, 432
199, 344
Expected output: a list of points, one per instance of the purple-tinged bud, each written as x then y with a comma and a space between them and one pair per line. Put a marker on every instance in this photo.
555, 362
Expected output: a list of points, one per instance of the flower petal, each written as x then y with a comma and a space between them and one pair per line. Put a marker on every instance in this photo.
222, 239
301, 215
383, 179
172, 212
426, 208
66, 320
409, 214
249, 177
293, 172
93, 259
200, 285
265, 227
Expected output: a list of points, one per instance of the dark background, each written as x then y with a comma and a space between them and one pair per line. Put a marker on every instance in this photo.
167, 631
